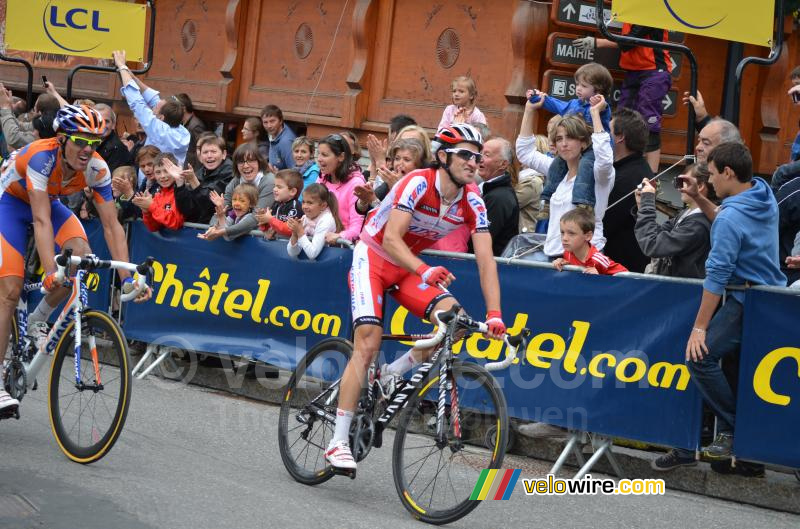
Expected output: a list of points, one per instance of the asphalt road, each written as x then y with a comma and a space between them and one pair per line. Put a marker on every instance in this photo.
193, 458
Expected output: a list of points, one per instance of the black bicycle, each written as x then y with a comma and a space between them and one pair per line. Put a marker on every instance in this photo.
454, 421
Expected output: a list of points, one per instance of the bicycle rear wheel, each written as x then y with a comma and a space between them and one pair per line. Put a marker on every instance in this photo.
308, 411
435, 479
87, 417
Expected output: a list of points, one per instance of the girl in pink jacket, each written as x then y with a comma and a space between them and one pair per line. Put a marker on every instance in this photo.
341, 175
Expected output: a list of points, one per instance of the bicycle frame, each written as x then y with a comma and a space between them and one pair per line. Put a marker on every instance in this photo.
72, 311
443, 341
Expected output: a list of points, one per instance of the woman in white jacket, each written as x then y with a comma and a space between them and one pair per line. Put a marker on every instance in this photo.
571, 135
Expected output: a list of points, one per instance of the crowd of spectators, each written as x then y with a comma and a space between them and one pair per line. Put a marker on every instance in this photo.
588, 186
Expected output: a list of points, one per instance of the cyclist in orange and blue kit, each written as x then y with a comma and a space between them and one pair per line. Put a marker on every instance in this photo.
31, 182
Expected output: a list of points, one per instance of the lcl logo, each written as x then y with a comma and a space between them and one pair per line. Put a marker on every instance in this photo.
78, 19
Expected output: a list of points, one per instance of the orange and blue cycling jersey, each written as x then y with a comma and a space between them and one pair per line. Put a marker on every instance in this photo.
38, 166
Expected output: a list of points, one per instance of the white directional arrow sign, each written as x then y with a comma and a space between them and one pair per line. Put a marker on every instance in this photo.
569, 10
666, 102
674, 64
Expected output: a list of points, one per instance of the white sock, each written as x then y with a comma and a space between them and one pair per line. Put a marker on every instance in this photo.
342, 430
42, 311
403, 364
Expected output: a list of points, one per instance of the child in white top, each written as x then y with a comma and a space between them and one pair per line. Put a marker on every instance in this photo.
321, 216
463, 109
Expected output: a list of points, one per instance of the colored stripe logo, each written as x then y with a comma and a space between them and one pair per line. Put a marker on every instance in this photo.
494, 484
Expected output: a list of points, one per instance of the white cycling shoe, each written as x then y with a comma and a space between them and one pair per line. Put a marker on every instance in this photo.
340, 456
8, 403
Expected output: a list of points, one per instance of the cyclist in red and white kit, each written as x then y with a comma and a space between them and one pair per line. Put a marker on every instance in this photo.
422, 208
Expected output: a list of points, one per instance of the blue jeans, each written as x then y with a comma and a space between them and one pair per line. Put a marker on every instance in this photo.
583, 190
723, 339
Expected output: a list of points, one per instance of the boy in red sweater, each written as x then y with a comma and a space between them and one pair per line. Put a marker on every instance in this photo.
577, 229
159, 210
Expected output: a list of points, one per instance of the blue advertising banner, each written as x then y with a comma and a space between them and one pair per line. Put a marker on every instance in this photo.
245, 297
606, 353
768, 403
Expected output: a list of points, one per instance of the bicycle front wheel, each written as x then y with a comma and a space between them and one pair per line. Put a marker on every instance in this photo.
435, 477
87, 415
308, 410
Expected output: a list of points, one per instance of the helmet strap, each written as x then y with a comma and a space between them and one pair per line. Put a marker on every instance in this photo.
64, 155
446, 167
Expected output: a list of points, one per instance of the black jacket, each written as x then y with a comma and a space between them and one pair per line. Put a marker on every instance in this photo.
788, 197
682, 247
114, 152
195, 204
618, 221
502, 209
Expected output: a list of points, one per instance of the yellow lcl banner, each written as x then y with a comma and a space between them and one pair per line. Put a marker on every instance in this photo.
737, 20
89, 28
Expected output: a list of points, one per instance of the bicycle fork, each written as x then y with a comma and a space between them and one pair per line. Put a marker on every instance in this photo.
447, 385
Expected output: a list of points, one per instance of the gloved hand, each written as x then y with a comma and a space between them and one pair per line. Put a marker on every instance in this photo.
49, 283
494, 320
585, 43
128, 285
435, 275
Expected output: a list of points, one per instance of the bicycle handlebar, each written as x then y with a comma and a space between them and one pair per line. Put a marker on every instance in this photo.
514, 343
91, 262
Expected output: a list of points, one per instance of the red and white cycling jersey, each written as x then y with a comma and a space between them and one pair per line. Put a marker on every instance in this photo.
431, 218
374, 273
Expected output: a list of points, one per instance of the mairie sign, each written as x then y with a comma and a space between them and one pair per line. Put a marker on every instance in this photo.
73, 27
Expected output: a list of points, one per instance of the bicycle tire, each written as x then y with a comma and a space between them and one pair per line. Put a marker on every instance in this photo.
115, 377
334, 353
478, 411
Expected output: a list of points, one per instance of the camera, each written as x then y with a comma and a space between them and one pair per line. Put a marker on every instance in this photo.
678, 182
796, 97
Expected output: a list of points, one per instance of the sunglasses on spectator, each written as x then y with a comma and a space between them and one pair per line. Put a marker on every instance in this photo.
466, 154
84, 142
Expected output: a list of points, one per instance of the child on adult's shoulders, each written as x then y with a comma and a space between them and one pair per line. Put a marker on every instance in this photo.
591, 80
577, 230
288, 186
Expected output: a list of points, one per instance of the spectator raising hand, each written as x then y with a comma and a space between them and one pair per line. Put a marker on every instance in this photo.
698, 104
377, 153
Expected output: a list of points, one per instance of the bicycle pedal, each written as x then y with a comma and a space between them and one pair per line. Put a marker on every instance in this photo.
349, 472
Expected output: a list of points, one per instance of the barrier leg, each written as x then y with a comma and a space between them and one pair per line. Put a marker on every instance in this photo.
603, 447
165, 352
148, 353
570, 447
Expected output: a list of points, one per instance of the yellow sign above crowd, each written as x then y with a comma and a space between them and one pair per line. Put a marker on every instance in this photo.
74, 27
737, 20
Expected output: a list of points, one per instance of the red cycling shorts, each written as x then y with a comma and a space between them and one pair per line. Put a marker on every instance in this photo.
371, 276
